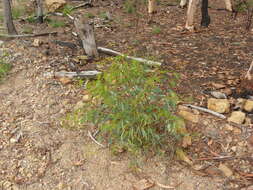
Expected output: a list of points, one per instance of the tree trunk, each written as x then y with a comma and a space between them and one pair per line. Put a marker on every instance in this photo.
39, 11
205, 21
151, 6
249, 17
8, 22
190, 14
228, 5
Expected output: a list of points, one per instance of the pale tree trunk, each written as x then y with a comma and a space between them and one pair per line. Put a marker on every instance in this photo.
183, 3
228, 5
8, 21
190, 14
151, 6
39, 11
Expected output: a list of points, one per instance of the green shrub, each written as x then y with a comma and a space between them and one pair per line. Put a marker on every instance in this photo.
67, 9
131, 106
130, 6
156, 30
18, 11
31, 19
4, 68
89, 15
56, 23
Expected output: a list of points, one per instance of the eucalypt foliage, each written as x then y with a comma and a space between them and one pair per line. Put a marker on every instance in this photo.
133, 106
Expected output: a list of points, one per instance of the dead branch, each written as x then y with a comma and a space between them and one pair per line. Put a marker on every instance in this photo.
116, 53
82, 74
27, 35
92, 138
86, 4
164, 186
206, 110
216, 158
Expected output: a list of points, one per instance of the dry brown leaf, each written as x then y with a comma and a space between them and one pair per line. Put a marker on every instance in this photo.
187, 141
182, 156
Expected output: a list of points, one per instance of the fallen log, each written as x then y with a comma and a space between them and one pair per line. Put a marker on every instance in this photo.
82, 74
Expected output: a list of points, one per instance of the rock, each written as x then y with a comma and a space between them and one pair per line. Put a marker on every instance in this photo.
239, 103
228, 127
226, 170
218, 95
65, 80
181, 107
213, 171
237, 117
248, 106
86, 98
250, 140
218, 86
234, 148
79, 105
237, 131
36, 43
189, 116
186, 141
248, 121
218, 105
227, 91
53, 5
143, 184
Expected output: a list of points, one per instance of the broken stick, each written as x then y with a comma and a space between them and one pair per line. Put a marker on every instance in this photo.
116, 53
82, 74
26, 35
248, 74
206, 110
92, 138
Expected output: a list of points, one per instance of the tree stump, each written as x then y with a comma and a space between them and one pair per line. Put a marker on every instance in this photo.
85, 31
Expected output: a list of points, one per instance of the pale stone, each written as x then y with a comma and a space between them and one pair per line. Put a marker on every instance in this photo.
79, 105
65, 80
53, 5
86, 98
189, 116
228, 127
226, 170
36, 43
218, 105
237, 117
248, 106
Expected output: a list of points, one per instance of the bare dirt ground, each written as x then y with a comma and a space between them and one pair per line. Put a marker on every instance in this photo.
38, 153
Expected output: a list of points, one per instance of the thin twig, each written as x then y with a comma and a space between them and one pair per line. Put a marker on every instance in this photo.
71, 18
164, 186
206, 110
216, 158
248, 75
82, 5
92, 138
26, 35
